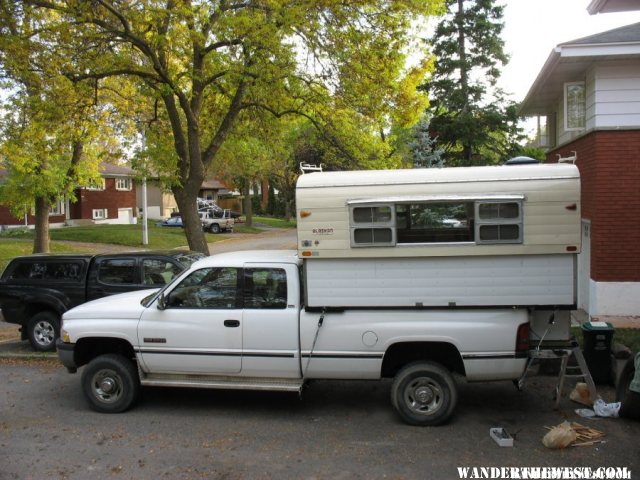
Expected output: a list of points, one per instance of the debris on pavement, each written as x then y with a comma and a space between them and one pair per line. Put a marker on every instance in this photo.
571, 434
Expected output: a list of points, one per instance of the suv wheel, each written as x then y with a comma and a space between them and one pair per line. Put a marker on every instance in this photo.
42, 330
214, 228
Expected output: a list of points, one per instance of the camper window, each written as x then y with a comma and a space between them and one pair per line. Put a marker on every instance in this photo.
435, 222
499, 222
372, 225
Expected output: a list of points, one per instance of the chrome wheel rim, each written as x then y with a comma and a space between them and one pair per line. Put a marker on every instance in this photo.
44, 333
107, 386
423, 396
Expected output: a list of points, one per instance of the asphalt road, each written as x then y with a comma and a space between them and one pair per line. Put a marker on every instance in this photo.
338, 430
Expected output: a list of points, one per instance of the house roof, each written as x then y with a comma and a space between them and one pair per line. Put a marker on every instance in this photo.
212, 184
608, 6
569, 61
109, 170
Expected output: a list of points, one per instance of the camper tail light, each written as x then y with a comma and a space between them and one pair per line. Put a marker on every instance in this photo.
522, 338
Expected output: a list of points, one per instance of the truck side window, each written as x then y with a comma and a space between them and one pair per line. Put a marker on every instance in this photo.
217, 288
158, 272
116, 271
265, 288
62, 271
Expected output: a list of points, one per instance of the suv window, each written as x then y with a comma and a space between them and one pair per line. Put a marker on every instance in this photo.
116, 271
54, 271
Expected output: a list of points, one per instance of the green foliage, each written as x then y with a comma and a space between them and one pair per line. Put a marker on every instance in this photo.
424, 149
206, 72
473, 120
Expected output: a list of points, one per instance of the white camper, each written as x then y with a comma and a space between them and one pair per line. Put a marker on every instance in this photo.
449, 237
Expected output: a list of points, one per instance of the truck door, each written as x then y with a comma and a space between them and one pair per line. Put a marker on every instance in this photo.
199, 331
270, 321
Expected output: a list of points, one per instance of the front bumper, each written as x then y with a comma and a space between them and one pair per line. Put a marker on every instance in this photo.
66, 356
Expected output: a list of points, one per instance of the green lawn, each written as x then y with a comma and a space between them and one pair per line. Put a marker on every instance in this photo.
10, 248
128, 235
274, 222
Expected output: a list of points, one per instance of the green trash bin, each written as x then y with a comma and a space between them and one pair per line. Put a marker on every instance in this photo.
596, 348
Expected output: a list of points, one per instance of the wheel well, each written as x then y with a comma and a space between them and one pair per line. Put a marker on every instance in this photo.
87, 349
401, 354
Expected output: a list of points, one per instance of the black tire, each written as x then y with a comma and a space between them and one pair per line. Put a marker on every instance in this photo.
43, 329
110, 383
424, 394
214, 228
625, 379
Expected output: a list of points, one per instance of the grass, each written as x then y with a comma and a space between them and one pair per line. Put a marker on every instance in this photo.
127, 235
274, 222
11, 248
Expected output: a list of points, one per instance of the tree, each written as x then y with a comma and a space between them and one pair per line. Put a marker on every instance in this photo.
206, 62
424, 149
471, 117
50, 123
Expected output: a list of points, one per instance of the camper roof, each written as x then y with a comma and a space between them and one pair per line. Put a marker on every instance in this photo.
437, 175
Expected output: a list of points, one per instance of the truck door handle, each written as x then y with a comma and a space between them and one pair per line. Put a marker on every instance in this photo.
232, 323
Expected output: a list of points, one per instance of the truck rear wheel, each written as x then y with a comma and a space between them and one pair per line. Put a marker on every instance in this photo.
42, 330
424, 394
214, 228
110, 383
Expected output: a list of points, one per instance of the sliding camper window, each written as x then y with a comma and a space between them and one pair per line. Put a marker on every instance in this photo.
486, 221
499, 222
372, 225
431, 222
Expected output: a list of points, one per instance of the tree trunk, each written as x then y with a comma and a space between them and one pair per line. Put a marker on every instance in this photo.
246, 203
41, 239
188, 207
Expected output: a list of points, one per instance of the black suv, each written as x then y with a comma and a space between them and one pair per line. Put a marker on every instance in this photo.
36, 290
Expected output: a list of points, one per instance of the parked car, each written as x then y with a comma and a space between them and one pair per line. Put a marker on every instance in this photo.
36, 290
171, 222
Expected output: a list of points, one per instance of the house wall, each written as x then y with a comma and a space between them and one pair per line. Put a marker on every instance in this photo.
8, 220
109, 199
609, 163
612, 100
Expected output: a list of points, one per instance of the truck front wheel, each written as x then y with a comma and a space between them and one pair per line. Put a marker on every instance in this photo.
43, 329
424, 394
110, 383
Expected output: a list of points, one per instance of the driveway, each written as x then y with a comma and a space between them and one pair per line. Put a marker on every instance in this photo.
272, 239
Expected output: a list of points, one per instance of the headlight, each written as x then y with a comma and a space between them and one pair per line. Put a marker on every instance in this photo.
65, 336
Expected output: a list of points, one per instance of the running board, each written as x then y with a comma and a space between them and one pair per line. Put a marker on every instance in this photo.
223, 382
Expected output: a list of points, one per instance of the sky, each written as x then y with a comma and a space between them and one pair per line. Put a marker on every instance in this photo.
534, 27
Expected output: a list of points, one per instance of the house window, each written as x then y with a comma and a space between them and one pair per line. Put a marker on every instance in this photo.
372, 225
98, 185
499, 222
57, 209
574, 106
99, 213
123, 184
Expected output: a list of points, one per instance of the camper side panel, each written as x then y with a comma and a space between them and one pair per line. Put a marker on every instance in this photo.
524, 280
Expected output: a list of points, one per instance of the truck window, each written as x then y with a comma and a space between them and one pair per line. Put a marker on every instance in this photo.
265, 288
217, 288
117, 271
54, 271
158, 272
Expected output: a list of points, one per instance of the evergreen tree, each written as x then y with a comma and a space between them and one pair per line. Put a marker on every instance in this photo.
424, 149
471, 117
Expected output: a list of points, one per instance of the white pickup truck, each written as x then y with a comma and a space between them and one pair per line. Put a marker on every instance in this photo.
237, 321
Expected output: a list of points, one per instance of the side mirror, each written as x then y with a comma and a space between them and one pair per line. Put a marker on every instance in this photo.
162, 302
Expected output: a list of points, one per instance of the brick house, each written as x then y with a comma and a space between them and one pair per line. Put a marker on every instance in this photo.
589, 93
113, 200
